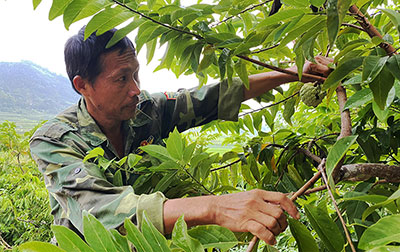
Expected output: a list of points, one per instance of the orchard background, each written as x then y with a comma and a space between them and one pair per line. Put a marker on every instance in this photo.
339, 160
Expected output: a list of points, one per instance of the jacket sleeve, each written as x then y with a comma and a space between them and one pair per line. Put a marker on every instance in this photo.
75, 186
197, 106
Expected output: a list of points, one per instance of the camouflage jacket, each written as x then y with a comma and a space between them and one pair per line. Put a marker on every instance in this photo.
60, 145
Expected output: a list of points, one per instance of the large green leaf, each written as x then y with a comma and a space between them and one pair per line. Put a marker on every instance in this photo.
96, 235
359, 98
381, 114
36, 3
325, 227
183, 240
37, 246
305, 241
387, 203
121, 33
120, 241
156, 240
332, 20
213, 236
208, 57
69, 240
385, 231
136, 237
106, 20
157, 151
381, 87
80, 9
58, 7
372, 66
394, 17
280, 16
163, 184
393, 64
337, 152
175, 145
241, 70
341, 72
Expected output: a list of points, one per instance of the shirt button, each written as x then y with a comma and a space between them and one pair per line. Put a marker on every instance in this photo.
77, 170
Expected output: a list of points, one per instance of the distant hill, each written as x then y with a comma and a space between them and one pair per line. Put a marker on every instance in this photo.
28, 88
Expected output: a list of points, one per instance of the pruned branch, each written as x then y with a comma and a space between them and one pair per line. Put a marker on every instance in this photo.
362, 172
321, 168
370, 29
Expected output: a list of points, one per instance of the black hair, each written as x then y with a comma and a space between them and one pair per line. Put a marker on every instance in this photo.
83, 57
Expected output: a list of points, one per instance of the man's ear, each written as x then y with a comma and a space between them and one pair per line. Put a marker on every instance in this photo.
80, 84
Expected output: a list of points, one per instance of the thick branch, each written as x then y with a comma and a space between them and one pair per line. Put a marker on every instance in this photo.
305, 75
370, 29
362, 172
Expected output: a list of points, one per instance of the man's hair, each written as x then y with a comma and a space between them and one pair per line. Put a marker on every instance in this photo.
83, 57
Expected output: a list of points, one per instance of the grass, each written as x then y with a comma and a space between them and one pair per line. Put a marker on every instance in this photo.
24, 121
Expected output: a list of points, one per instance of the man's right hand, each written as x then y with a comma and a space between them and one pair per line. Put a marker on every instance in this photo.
258, 212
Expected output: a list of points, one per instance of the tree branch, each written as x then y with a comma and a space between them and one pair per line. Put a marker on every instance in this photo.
370, 29
353, 26
264, 49
4, 243
157, 22
321, 168
243, 11
271, 105
362, 172
305, 75
228, 165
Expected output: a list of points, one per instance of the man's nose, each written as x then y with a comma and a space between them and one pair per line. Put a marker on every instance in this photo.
134, 88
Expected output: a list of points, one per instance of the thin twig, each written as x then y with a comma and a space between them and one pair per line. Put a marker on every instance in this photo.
321, 169
310, 155
157, 22
316, 189
265, 49
228, 165
198, 182
4, 243
354, 26
243, 11
270, 105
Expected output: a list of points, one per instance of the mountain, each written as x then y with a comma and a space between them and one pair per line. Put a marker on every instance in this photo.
27, 88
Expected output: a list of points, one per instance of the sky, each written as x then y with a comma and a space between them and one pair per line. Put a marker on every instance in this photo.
28, 34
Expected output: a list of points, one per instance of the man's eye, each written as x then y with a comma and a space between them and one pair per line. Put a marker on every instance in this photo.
122, 78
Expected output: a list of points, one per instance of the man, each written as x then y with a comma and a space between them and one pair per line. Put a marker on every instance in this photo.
107, 116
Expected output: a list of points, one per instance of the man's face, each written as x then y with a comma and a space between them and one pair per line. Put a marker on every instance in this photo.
114, 95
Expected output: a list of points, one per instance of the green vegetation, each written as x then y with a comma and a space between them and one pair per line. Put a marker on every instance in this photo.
351, 138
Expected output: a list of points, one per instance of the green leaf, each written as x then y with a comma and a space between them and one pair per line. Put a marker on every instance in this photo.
133, 159
222, 60
117, 179
393, 64
241, 70
385, 231
37, 246
175, 145
297, 3
337, 152
98, 151
188, 152
358, 99
136, 237
325, 227
58, 7
163, 184
106, 20
36, 3
386, 203
150, 50
303, 237
156, 240
208, 56
96, 235
280, 16
246, 173
80, 9
381, 87
121, 33
254, 168
394, 17
69, 240
120, 241
385, 249
183, 240
213, 236
341, 72
380, 114
157, 151
372, 66
289, 110
332, 21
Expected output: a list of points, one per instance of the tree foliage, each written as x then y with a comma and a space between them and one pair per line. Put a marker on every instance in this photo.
283, 146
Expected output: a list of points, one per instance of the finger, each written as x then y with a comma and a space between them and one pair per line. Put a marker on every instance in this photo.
261, 232
277, 215
283, 201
